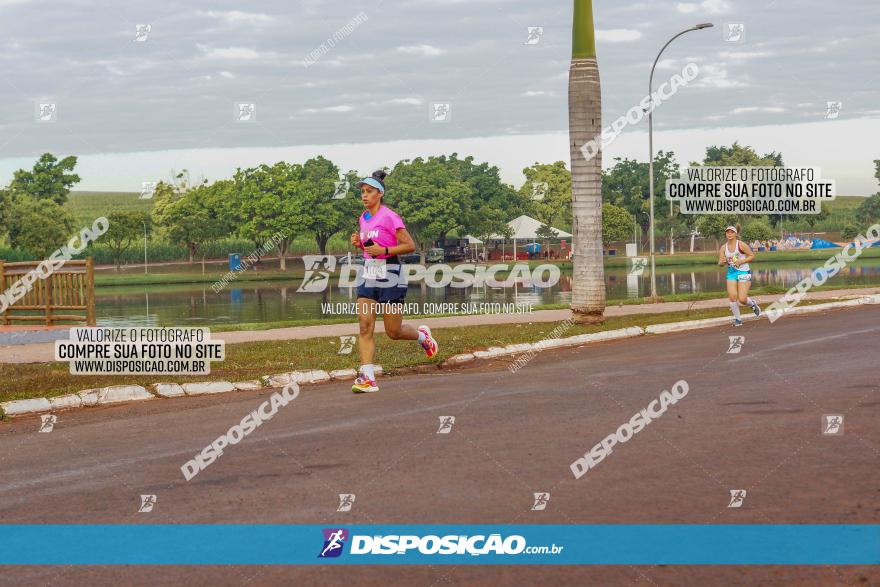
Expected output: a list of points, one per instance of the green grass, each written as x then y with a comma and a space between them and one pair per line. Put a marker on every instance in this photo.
86, 206
254, 359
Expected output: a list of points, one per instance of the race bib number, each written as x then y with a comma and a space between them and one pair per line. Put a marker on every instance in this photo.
375, 269
744, 276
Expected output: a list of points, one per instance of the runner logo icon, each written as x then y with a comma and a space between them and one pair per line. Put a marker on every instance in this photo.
334, 542
318, 269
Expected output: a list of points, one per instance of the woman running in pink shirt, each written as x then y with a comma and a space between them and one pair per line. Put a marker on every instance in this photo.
383, 237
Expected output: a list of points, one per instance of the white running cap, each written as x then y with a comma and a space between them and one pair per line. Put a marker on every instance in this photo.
733, 228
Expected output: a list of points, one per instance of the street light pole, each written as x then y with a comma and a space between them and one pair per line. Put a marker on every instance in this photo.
145, 247
651, 150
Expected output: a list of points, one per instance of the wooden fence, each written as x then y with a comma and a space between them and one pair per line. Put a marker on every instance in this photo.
68, 289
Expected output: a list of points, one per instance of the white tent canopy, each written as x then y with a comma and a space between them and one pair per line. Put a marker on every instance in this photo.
526, 228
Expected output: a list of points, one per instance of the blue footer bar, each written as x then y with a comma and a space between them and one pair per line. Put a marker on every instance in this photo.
252, 544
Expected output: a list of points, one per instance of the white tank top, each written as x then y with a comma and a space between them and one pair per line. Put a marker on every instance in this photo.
734, 256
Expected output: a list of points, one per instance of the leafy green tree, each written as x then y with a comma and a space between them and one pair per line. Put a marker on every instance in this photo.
39, 225
617, 224
713, 225
489, 194
757, 230
6, 200
50, 179
324, 215
125, 229
192, 217
627, 185
737, 155
429, 196
552, 181
269, 206
849, 232
813, 219
869, 210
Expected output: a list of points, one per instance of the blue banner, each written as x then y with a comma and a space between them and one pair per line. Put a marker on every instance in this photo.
252, 544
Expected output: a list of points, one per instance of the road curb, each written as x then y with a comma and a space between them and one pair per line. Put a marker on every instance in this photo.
127, 393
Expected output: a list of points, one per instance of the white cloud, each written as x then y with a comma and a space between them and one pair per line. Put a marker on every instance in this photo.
238, 17
227, 74
750, 109
743, 55
715, 76
231, 53
618, 35
340, 108
531, 93
708, 6
409, 101
715, 6
423, 50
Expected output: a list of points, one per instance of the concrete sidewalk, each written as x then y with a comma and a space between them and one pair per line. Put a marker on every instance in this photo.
42, 352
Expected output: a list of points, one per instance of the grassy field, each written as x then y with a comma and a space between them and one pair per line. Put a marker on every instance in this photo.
86, 206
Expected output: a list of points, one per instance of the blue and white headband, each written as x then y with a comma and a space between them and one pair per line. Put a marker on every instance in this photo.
373, 182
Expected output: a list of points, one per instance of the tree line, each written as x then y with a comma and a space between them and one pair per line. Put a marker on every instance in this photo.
438, 196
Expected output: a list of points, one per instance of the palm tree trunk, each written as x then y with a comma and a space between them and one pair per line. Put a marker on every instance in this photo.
585, 124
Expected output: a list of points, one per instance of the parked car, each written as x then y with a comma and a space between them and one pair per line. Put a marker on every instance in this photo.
435, 255
410, 259
355, 259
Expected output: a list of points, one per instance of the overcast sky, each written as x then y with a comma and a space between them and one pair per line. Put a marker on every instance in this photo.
133, 110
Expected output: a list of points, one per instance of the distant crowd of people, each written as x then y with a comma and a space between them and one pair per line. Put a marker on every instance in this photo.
792, 243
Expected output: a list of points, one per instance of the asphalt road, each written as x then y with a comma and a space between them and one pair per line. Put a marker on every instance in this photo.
750, 421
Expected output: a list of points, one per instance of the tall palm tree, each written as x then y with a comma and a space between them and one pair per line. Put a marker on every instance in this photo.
584, 124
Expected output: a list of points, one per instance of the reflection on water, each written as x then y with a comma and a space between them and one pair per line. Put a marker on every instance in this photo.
270, 302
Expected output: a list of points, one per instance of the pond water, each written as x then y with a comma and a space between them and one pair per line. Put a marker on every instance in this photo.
279, 300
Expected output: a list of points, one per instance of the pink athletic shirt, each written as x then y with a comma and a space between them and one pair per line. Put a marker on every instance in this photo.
381, 228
